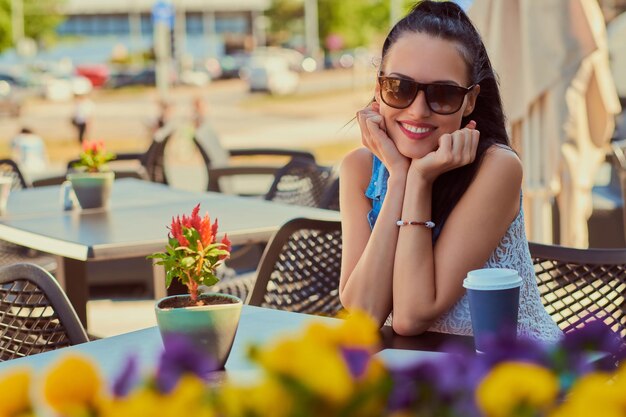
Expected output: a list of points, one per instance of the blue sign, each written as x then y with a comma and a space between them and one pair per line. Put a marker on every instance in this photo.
163, 12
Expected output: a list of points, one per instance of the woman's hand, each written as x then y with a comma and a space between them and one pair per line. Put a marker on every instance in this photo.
455, 150
374, 137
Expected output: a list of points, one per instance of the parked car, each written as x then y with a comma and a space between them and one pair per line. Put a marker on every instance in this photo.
272, 74
98, 74
232, 64
142, 77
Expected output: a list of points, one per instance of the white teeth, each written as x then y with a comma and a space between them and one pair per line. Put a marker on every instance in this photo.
415, 129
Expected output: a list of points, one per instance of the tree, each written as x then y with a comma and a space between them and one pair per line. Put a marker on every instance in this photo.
356, 22
41, 18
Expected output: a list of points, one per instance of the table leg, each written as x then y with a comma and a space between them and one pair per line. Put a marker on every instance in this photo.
72, 276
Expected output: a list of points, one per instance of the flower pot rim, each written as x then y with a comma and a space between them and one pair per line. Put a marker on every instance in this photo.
239, 302
79, 174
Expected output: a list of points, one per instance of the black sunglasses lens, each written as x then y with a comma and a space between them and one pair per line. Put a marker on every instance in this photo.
444, 99
397, 92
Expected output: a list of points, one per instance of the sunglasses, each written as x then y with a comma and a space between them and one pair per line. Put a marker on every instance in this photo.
399, 93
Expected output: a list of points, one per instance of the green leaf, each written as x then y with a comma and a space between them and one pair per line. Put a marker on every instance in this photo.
188, 262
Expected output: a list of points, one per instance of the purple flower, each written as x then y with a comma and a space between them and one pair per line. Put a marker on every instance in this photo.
356, 359
592, 334
443, 383
127, 379
180, 357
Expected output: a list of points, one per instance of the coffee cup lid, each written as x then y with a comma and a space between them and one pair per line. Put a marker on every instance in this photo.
492, 279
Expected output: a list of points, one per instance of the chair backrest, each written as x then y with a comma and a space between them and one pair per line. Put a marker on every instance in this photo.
580, 285
330, 197
300, 268
301, 182
9, 168
35, 314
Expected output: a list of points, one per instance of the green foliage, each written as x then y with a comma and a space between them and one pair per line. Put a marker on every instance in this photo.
41, 17
358, 22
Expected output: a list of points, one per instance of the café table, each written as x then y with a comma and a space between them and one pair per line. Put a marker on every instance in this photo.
257, 326
134, 225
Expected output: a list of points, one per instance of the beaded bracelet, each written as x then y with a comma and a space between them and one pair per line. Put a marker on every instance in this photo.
428, 224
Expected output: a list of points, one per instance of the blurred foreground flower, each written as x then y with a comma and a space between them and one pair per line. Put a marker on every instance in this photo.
332, 370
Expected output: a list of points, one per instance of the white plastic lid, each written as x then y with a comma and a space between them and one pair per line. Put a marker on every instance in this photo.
492, 279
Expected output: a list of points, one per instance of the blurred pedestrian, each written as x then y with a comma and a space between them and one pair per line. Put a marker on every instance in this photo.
200, 112
81, 117
29, 152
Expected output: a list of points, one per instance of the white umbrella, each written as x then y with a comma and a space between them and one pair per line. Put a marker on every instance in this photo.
560, 101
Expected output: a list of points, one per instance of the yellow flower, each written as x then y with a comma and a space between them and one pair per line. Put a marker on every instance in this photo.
594, 394
267, 398
72, 386
14, 393
359, 330
319, 367
141, 402
511, 385
189, 394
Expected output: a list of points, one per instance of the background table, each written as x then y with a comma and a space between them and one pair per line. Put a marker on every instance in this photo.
134, 225
257, 325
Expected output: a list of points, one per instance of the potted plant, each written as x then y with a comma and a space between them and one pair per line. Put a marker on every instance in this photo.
192, 254
91, 178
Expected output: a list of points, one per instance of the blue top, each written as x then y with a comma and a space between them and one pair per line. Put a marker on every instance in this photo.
376, 191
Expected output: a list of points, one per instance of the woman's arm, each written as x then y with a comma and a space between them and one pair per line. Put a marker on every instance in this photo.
427, 281
367, 258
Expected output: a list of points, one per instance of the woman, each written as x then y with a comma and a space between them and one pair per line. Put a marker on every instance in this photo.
436, 190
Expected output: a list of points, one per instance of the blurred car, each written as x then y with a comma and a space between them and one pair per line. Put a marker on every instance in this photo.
272, 74
64, 88
136, 77
98, 74
232, 64
294, 58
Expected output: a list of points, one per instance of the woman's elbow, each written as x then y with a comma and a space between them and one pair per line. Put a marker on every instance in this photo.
352, 304
409, 326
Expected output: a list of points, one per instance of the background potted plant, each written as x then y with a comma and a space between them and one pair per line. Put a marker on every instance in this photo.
91, 178
192, 255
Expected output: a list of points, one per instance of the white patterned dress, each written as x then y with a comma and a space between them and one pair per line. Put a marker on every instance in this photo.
512, 252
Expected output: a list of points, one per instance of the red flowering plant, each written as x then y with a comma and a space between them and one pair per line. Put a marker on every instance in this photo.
93, 157
193, 253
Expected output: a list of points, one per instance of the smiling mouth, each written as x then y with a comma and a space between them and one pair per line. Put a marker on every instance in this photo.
415, 129
416, 132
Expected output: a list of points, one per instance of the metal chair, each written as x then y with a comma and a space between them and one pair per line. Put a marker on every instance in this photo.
581, 285
35, 314
9, 252
300, 269
9, 168
330, 197
222, 167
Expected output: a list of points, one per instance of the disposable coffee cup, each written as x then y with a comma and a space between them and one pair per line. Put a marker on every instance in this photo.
493, 295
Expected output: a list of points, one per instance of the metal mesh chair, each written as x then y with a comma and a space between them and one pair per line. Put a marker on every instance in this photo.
35, 314
9, 252
301, 182
8, 168
300, 269
330, 198
580, 285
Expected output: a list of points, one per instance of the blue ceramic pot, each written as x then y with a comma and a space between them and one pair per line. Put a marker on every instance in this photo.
211, 328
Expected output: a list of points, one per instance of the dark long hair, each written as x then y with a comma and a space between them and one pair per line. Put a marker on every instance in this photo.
446, 20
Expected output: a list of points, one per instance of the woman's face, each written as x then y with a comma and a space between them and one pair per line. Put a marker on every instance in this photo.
416, 129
